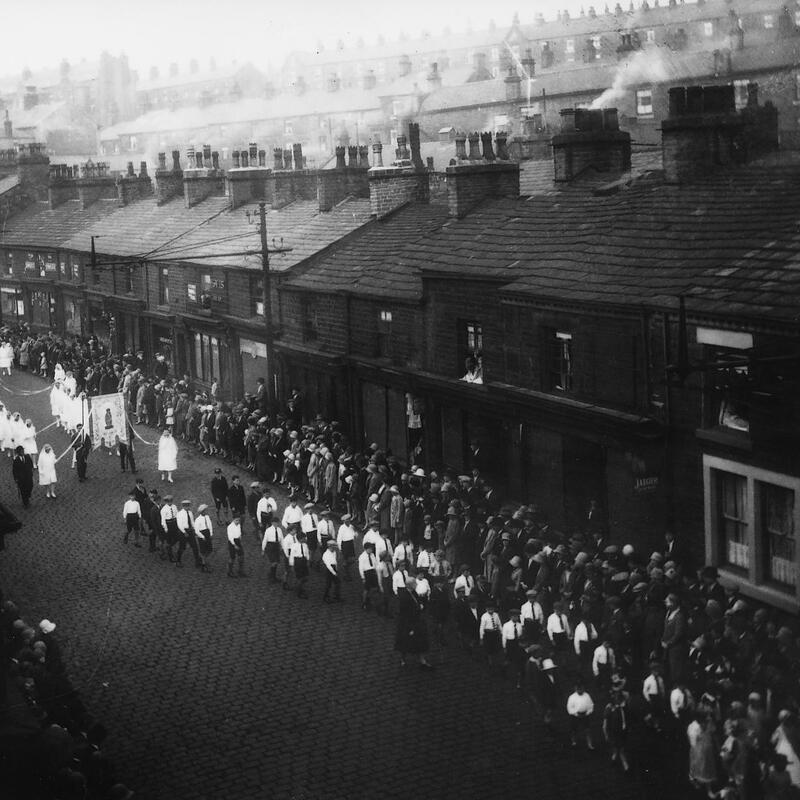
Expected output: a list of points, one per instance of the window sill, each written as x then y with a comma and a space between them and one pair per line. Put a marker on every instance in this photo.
764, 593
727, 437
163, 307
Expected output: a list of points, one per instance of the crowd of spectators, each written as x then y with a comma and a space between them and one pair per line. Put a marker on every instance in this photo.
593, 632
54, 748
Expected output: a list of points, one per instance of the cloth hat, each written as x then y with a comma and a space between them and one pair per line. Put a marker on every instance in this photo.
394, 490
308, 506
531, 593
255, 485
627, 550
514, 611
347, 517
640, 587
419, 472
548, 664
373, 498
611, 550
45, 626
656, 556
202, 507
168, 497
186, 502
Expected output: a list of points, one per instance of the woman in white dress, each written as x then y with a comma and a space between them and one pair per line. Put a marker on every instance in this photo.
47, 470
6, 357
17, 430
5, 433
58, 373
167, 456
29, 442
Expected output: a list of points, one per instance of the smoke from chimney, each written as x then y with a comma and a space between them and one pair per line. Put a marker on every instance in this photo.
645, 66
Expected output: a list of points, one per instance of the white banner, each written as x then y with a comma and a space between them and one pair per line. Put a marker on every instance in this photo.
108, 420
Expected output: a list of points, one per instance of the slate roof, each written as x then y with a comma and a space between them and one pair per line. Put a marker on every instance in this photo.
179, 233
37, 226
8, 183
730, 241
376, 262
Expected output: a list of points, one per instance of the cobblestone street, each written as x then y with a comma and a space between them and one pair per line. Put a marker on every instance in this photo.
215, 688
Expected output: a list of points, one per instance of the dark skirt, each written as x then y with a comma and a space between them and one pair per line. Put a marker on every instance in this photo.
301, 567
491, 642
349, 549
370, 579
204, 545
273, 551
313, 540
173, 534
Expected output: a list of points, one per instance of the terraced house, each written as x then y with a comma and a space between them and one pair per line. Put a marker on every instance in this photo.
621, 330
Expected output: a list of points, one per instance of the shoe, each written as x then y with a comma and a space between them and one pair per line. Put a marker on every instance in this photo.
426, 667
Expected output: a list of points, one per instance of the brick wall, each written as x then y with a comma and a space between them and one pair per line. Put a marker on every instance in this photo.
470, 184
391, 187
330, 315
399, 341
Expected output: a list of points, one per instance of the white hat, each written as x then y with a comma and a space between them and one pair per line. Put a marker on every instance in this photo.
45, 626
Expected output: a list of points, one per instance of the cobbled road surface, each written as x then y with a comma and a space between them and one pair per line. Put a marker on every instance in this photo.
218, 688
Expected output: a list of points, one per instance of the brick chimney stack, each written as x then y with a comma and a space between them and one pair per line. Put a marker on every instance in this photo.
169, 182
201, 181
402, 182
590, 138
33, 169
704, 131
248, 180
434, 78
513, 84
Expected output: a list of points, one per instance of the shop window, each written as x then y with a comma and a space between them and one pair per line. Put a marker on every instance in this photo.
163, 286
12, 304
559, 351
777, 525
206, 357
751, 520
384, 336
471, 351
644, 102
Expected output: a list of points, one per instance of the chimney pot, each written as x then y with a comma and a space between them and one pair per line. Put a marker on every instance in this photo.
143, 169
377, 154
176, 160
461, 147
488, 151
429, 163
206, 155
162, 160
130, 169
352, 156
215, 159
474, 147
287, 158
245, 158
236, 161
340, 152
277, 158
190, 156
501, 139
262, 158
363, 156
253, 148
198, 157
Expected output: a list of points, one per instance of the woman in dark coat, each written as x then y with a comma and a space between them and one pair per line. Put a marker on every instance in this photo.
411, 634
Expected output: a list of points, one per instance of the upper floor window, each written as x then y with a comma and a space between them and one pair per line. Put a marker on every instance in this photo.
257, 296
191, 292
559, 345
769, 21
9, 263
288, 128
471, 351
740, 94
708, 29
644, 102
384, 332
309, 320
127, 279
569, 48
163, 286
650, 36
597, 43
730, 389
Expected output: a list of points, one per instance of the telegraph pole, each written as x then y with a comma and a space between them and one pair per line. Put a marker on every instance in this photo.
267, 301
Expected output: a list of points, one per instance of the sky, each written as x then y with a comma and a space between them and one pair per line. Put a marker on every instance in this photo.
158, 32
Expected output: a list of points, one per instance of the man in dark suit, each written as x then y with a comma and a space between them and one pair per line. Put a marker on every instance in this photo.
22, 470
467, 617
82, 447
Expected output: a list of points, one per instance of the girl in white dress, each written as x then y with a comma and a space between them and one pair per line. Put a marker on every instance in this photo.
29, 442
167, 456
47, 470
6, 358
17, 430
